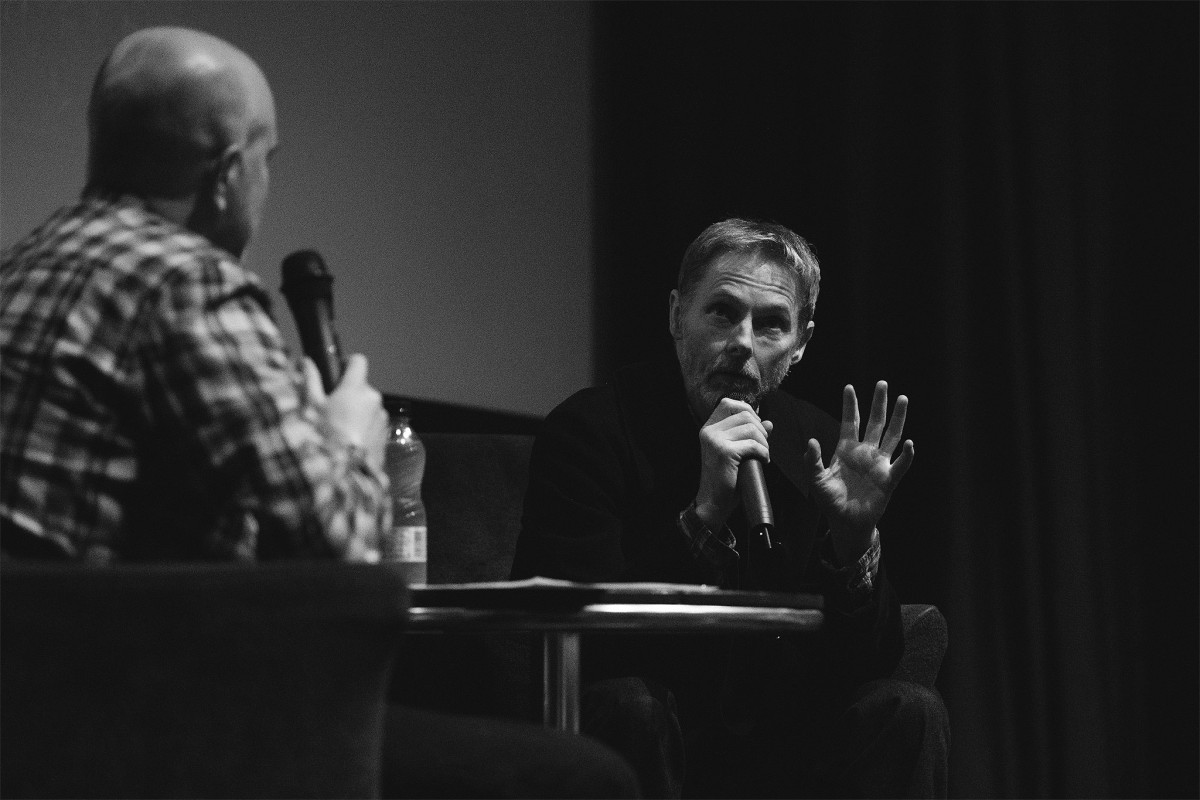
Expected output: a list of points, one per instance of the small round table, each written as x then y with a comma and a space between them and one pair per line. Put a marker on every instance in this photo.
563, 610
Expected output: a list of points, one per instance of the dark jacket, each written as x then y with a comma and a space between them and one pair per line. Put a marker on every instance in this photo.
612, 468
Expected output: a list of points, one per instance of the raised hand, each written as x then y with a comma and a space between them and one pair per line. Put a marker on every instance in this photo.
855, 488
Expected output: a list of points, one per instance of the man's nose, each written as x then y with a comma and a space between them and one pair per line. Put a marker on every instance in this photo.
741, 338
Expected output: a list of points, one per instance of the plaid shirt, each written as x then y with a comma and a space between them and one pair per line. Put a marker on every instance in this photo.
149, 409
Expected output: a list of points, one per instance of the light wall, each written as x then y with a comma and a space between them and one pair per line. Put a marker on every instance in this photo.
436, 154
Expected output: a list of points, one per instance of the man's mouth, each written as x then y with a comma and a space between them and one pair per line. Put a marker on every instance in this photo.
734, 377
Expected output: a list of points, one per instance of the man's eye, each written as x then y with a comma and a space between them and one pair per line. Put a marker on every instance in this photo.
772, 323
721, 310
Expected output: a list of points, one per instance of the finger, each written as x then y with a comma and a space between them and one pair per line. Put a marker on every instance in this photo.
356, 370
734, 420
850, 419
768, 426
728, 407
728, 425
729, 440
749, 432
878, 415
750, 448
900, 467
312, 381
812, 460
895, 429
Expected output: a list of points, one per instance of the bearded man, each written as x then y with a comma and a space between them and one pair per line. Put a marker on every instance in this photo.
637, 481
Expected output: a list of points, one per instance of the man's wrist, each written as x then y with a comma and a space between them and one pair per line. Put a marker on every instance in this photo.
716, 548
859, 574
849, 546
692, 523
706, 514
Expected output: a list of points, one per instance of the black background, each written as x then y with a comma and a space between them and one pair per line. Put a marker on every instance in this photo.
1004, 201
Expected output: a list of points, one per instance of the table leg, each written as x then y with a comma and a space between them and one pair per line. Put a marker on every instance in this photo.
560, 681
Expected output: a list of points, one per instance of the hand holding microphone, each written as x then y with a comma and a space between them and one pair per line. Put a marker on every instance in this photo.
353, 407
355, 410
733, 448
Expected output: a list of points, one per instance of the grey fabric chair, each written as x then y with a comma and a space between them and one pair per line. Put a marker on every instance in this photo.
195, 680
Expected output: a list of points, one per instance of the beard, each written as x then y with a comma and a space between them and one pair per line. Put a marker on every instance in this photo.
708, 383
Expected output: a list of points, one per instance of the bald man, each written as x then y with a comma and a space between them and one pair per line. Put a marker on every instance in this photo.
150, 411
149, 406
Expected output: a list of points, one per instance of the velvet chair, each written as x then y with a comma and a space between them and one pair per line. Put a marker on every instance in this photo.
195, 680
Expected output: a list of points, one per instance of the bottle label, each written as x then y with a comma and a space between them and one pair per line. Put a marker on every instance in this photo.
406, 543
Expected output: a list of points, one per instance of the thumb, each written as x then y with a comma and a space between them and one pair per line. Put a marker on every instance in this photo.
356, 370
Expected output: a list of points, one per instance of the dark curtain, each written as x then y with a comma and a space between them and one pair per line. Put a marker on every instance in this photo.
1004, 200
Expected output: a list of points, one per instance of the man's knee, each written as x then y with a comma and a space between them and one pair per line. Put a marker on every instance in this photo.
602, 772
639, 719
628, 704
897, 739
431, 754
923, 713
914, 708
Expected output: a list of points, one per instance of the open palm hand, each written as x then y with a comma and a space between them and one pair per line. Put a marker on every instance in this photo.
855, 488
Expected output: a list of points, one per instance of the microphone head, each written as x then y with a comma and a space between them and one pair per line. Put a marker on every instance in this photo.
308, 287
306, 276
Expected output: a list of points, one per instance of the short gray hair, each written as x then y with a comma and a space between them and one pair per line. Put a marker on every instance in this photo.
771, 240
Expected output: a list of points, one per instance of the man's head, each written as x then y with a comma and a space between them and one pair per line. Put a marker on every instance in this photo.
741, 314
186, 121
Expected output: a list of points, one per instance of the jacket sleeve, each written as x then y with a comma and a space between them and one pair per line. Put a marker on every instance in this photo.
863, 630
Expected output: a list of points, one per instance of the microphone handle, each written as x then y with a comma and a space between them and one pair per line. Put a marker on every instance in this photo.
308, 287
320, 343
752, 486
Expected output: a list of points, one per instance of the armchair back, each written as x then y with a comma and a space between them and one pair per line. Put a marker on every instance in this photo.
196, 680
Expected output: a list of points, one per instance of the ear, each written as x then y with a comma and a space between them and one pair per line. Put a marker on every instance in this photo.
228, 174
802, 342
676, 313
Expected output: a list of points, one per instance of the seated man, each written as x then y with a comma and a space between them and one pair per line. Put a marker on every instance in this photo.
151, 412
637, 481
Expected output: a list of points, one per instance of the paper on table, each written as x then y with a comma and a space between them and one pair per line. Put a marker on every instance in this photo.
555, 583
538, 592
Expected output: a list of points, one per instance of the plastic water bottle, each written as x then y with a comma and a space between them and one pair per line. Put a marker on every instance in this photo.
405, 464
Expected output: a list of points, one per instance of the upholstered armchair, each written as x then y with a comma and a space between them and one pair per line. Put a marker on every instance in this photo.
195, 680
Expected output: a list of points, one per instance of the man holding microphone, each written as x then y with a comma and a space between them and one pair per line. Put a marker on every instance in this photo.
151, 411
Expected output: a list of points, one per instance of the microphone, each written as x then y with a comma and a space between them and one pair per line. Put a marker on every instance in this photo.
308, 287
751, 484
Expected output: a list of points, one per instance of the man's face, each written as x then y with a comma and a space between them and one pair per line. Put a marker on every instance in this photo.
256, 184
250, 197
736, 333
247, 180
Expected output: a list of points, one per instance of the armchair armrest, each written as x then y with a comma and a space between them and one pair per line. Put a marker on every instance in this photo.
925, 640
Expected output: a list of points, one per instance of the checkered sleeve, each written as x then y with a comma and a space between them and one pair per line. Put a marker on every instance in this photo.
226, 381
715, 549
859, 577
